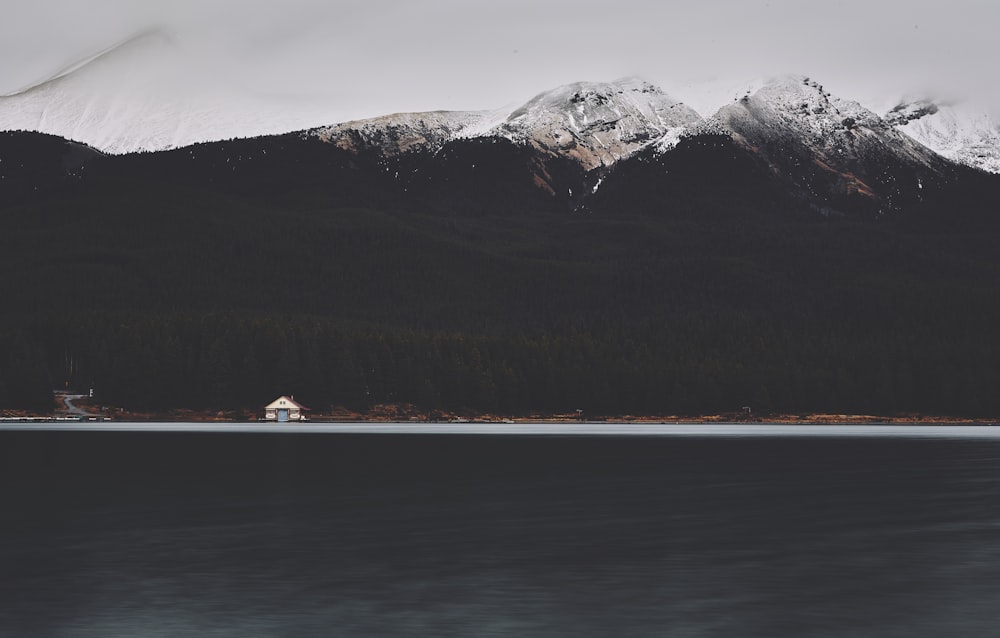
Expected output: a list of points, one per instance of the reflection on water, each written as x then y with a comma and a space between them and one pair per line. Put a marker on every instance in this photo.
174, 534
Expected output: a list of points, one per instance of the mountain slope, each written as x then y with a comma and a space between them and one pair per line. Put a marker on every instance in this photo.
560, 143
840, 155
170, 295
593, 124
444, 270
820, 152
406, 132
128, 99
597, 124
961, 132
36, 165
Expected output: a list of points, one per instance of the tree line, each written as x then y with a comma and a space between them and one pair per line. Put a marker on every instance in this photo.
685, 363
182, 296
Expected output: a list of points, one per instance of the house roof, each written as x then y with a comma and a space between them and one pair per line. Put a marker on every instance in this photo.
284, 402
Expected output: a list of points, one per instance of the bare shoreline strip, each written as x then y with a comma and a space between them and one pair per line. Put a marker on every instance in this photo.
738, 430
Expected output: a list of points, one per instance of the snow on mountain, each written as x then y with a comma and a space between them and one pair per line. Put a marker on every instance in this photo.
795, 124
402, 132
832, 152
126, 99
959, 131
598, 124
129, 98
799, 107
594, 124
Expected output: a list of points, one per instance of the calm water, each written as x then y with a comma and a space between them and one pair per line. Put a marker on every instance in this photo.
107, 534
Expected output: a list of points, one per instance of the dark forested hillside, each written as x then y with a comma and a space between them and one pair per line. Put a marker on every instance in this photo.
35, 165
218, 276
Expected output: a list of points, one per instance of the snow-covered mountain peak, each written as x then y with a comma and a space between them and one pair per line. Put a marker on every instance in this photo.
799, 108
583, 104
801, 99
595, 124
598, 123
959, 131
145, 94
832, 147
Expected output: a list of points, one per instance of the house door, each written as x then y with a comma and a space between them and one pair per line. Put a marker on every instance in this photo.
283, 415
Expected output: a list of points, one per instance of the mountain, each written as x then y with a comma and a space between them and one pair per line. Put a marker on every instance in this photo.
406, 132
148, 93
599, 248
787, 142
825, 153
790, 148
36, 164
597, 124
128, 99
705, 177
561, 142
833, 152
838, 154
959, 131
593, 124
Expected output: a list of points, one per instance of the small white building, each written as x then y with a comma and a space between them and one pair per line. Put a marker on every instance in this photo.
284, 409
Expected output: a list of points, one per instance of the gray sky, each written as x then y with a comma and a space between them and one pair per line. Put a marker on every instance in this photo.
371, 57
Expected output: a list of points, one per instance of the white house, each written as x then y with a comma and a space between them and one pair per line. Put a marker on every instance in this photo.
284, 409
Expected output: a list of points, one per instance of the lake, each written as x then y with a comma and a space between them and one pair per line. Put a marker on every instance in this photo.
579, 530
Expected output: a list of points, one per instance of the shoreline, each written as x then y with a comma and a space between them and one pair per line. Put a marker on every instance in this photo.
83, 409
187, 417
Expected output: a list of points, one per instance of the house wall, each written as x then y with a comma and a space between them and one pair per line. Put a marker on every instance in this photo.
271, 411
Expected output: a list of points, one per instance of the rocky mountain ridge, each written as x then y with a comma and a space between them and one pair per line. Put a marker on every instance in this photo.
830, 152
826, 154
121, 101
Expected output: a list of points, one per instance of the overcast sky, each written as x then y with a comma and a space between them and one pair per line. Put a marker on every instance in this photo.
371, 57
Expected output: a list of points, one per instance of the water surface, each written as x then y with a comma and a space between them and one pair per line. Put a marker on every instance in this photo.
306, 533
